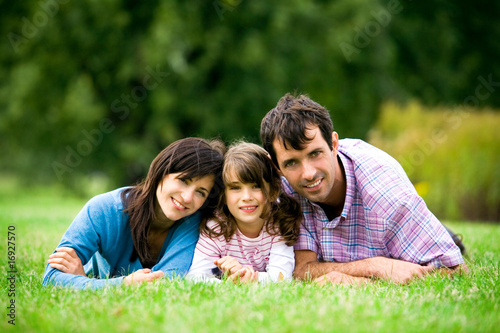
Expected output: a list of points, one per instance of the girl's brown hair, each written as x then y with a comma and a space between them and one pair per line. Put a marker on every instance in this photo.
250, 163
192, 158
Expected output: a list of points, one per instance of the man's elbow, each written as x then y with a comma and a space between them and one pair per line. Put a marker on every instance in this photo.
301, 271
460, 269
454, 270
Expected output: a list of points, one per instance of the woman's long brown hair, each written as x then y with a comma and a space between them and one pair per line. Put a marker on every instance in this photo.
192, 157
252, 164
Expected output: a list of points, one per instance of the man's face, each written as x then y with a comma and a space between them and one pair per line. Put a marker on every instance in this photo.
311, 171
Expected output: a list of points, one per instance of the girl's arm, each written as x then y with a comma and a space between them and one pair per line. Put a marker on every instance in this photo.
281, 264
202, 269
208, 250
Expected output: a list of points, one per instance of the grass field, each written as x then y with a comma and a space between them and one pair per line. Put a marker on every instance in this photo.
464, 304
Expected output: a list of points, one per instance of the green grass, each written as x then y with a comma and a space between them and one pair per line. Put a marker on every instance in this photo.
464, 304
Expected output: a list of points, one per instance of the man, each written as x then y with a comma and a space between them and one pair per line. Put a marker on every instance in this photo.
362, 216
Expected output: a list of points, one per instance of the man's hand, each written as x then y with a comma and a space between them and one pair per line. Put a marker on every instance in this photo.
398, 271
228, 265
343, 279
66, 260
142, 275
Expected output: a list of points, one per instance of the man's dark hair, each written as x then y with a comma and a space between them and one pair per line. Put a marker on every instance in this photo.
290, 119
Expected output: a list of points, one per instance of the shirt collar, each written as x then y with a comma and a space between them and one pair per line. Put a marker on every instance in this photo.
350, 189
350, 182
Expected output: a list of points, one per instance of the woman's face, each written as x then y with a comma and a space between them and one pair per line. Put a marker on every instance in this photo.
179, 198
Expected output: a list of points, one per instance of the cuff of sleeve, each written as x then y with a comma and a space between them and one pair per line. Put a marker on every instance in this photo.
453, 258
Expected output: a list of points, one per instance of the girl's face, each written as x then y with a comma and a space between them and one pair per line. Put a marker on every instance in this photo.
245, 201
179, 198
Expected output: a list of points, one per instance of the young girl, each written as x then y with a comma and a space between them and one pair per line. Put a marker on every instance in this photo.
250, 237
143, 232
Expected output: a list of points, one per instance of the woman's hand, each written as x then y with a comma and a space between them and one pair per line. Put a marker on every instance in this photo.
142, 275
66, 260
228, 265
245, 275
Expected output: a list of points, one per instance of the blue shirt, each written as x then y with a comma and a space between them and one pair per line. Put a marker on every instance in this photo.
102, 227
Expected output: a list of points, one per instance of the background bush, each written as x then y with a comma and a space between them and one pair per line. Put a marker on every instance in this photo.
92, 91
451, 155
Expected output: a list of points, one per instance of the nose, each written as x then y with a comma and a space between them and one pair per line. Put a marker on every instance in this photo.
246, 194
308, 171
187, 195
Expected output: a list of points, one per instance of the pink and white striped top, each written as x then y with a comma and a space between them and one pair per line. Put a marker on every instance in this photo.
266, 253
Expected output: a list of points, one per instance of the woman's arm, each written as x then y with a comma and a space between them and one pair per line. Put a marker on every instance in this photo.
100, 222
66, 260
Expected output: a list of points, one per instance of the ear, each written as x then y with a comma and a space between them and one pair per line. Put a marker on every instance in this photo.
335, 142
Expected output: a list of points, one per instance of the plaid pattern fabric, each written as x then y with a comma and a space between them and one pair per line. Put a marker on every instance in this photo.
383, 215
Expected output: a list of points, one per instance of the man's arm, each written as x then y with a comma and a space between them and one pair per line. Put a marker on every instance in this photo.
450, 271
398, 271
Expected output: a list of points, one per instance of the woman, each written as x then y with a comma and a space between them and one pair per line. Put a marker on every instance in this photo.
144, 232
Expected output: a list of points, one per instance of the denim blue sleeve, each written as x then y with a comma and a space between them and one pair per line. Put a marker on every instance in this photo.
178, 256
98, 221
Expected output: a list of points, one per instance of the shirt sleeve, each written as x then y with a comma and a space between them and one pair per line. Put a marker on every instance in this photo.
203, 267
414, 234
83, 235
306, 240
281, 264
202, 270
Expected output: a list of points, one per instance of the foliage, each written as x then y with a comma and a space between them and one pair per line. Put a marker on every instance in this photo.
93, 90
452, 155
467, 303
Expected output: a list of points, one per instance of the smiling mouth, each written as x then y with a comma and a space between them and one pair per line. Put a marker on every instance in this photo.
178, 204
248, 209
316, 183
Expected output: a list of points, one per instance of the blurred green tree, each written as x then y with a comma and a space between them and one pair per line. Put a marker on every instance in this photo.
99, 87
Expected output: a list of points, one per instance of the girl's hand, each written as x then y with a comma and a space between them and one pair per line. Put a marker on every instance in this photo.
245, 275
142, 275
66, 260
228, 265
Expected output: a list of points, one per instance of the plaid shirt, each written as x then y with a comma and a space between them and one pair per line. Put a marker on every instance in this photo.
383, 215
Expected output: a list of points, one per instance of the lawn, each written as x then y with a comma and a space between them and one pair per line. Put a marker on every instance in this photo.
38, 218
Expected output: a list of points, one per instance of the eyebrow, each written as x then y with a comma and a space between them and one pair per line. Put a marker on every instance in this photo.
317, 150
